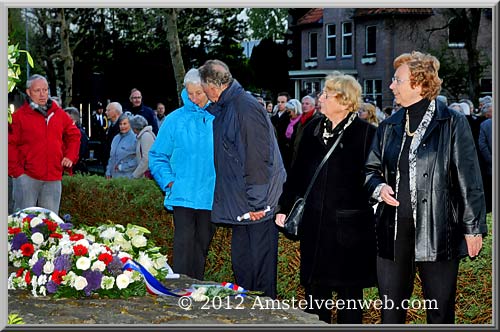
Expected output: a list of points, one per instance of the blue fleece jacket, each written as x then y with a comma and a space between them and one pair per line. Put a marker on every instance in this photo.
183, 153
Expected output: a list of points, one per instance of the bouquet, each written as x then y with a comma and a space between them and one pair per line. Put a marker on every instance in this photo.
52, 257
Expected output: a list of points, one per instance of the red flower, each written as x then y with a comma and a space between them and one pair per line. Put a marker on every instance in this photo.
27, 249
19, 272
80, 250
106, 258
57, 276
76, 237
124, 259
27, 277
14, 230
56, 235
52, 226
27, 220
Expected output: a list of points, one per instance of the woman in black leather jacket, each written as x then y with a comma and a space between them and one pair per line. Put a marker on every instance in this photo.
423, 169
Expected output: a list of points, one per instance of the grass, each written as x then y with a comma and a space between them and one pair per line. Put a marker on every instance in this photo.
95, 200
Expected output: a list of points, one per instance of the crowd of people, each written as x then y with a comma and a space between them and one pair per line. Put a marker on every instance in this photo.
226, 158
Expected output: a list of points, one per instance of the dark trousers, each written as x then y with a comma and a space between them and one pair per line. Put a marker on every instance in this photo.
192, 235
396, 278
317, 295
254, 255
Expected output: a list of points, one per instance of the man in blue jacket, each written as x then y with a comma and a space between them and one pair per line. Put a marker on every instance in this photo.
249, 177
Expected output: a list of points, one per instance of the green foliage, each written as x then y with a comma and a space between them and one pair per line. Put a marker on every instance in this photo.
268, 23
14, 69
15, 319
95, 200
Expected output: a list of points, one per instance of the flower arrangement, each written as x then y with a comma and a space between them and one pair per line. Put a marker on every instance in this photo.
52, 257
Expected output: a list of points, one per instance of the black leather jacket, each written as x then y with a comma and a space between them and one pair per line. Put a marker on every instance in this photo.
450, 197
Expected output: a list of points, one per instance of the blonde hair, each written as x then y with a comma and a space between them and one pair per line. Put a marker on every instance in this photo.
347, 90
423, 72
372, 113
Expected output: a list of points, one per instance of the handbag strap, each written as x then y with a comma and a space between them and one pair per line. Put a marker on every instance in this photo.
341, 133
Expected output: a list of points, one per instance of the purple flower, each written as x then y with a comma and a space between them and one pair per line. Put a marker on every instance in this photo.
67, 217
115, 266
62, 262
93, 281
42, 228
51, 287
66, 226
18, 240
38, 266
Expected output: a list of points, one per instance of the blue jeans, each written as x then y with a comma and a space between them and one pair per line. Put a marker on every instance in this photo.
28, 192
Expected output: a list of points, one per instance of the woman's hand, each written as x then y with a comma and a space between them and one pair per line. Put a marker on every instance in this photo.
386, 194
474, 245
280, 219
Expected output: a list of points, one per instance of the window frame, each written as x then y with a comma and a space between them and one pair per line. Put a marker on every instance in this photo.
345, 36
311, 57
367, 41
328, 38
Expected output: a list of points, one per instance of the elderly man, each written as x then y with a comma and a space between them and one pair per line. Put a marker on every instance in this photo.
43, 141
138, 108
113, 112
249, 177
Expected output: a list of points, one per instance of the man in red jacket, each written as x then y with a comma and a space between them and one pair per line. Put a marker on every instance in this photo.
42, 142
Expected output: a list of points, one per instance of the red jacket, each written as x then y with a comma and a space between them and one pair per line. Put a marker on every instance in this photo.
37, 144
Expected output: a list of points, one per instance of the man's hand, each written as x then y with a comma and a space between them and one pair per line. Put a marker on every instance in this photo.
66, 162
257, 215
386, 194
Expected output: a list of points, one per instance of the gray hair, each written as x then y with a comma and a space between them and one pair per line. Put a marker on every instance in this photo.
138, 122
117, 106
74, 114
215, 72
33, 78
192, 77
486, 107
311, 98
294, 104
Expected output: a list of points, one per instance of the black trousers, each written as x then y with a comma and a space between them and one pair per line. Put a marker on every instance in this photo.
396, 278
316, 295
192, 235
254, 255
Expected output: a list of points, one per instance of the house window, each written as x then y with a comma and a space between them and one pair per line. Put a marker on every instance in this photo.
456, 33
313, 45
331, 40
486, 87
373, 88
371, 40
347, 39
311, 87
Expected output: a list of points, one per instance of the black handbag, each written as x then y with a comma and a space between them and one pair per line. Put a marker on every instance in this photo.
294, 218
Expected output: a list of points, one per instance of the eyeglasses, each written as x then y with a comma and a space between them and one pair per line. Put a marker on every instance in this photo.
325, 94
138, 97
397, 80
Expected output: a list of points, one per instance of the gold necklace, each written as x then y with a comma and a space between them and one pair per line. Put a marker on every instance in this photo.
407, 126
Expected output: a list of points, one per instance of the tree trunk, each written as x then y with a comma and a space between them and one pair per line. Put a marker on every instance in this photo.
175, 50
473, 17
67, 58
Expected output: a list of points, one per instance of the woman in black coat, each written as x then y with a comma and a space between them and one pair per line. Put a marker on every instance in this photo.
337, 236
423, 169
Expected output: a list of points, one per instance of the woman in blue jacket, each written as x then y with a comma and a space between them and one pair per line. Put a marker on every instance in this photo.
122, 161
182, 162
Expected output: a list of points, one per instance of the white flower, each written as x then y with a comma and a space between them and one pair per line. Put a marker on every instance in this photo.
122, 281
43, 291
99, 266
199, 294
160, 262
42, 280
109, 233
107, 282
83, 242
80, 283
131, 232
122, 254
37, 238
17, 263
67, 250
124, 244
35, 222
48, 267
139, 241
83, 263
69, 279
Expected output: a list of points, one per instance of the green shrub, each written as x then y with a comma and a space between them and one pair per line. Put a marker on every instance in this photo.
95, 200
